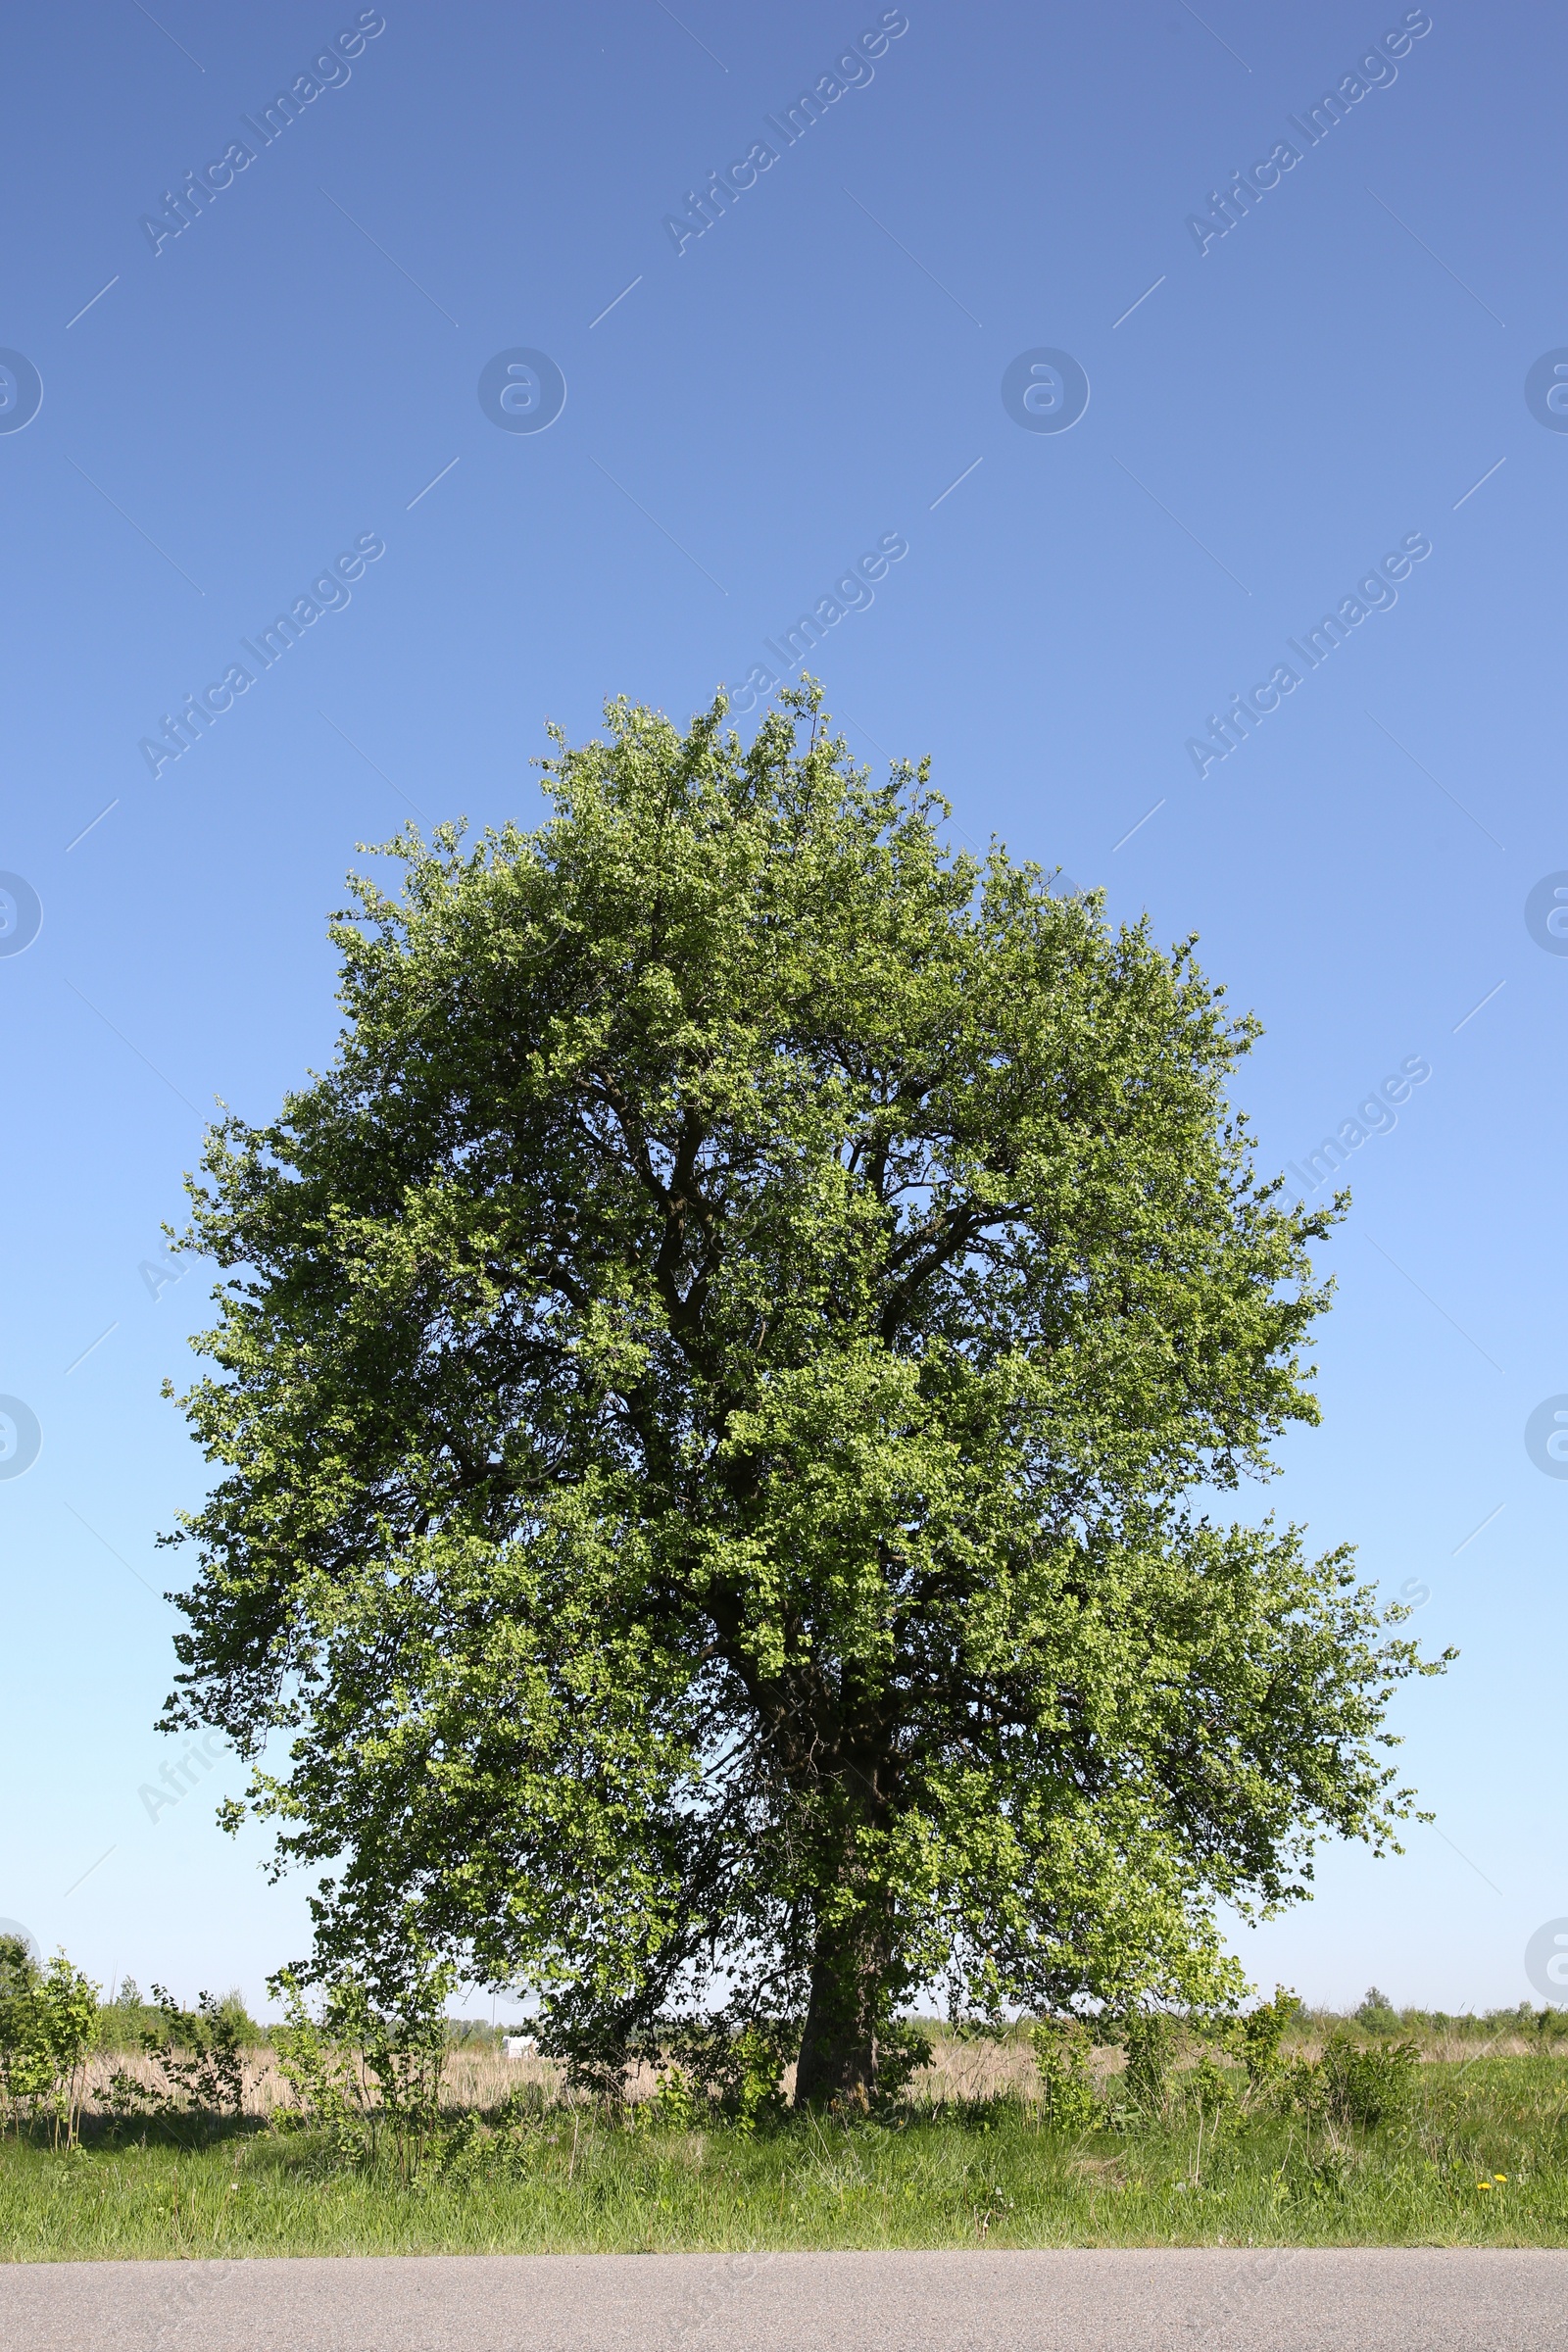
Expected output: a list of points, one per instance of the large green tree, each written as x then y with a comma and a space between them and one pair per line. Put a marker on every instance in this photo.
707, 1386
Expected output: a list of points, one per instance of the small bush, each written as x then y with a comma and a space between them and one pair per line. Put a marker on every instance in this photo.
1067, 2100
677, 2105
1148, 2038
1256, 2036
321, 2073
737, 2067
1368, 2088
48, 2025
754, 2095
1210, 2090
376, 2055
479, 2148
902, 2050
199, 2053
1377, 2013
1350, 2085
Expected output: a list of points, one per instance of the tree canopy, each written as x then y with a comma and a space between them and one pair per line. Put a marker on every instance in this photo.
710, 1390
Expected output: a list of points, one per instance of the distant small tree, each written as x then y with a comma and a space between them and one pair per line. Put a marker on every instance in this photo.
705, 1392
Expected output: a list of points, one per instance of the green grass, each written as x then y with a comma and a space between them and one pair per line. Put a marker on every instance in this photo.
577, 2181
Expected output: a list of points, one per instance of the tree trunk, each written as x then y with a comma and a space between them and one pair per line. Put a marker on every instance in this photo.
838, 2048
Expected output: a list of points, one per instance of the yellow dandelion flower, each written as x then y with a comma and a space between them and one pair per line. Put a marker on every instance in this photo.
1483, 2185
1499, 2175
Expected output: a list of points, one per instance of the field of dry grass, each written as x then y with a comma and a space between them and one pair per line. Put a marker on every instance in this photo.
962, 2072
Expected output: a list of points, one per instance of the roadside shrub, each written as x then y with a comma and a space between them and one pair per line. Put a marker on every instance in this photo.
1368, 2088
200, 2056
595, 2052
377, 2056
1210, 2092
1350, 2085
736, 2067
476, 2147
1255, 2038
48, 2026
752, 2092
323, 2072
1067, 2101
903, 2050
1148, 2037
677, 2105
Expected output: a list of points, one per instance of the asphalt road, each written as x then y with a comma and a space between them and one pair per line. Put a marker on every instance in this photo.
1166, 2301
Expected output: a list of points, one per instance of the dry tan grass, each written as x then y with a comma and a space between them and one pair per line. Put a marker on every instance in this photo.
481, 2078
1435, 2046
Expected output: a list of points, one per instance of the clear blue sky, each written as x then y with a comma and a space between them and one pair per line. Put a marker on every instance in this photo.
819, 370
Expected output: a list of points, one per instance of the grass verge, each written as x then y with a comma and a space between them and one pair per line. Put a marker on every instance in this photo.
576, 2181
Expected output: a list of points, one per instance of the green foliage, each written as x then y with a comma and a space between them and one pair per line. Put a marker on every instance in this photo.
1212, 2090
1350, 2084
323, 2074
200, 2054
1067, 2101
375, 2057
485, 2147
1369, 2087
903, 2051
125, 2022
571, 2179
1148, 2038
1257, 2036
1486, 2027
704, 1397
677, 2105
595, 2047
754, 2095
1377, 2013
736, 2067
48, 2026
